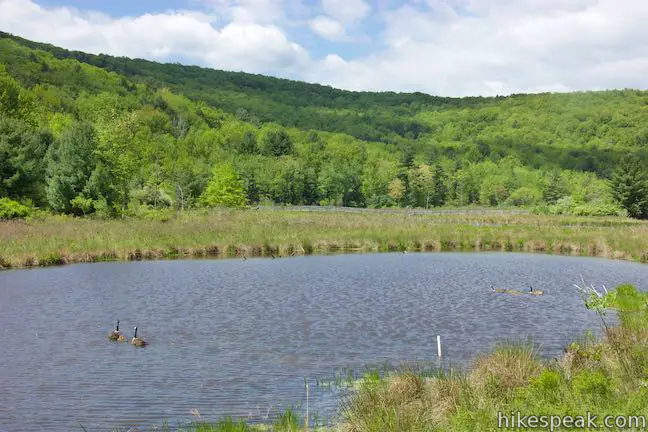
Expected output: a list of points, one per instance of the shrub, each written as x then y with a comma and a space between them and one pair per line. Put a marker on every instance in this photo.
524, 196
547, 387
548, 381
592, 384
568, 206
83, 204
599, 209
147, 212
564, 206
630, 305
10, 209
154, 197
103, 209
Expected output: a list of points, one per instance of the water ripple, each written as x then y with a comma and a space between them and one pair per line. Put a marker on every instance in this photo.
235, 337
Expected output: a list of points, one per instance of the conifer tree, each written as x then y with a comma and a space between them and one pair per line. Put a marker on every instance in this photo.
629, 184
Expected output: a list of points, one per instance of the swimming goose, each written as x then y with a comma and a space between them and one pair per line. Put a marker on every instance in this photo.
138, 342
116, 335
535, 292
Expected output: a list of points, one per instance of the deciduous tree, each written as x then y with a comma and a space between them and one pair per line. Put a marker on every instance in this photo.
224, 189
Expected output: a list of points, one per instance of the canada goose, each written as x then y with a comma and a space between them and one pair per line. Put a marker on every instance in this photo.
535, 292
138, 342
116, 335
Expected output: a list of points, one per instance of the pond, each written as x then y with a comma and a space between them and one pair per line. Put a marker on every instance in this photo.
239, 338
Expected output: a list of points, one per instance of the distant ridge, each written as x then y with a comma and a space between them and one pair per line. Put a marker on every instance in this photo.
582, 131
273, 99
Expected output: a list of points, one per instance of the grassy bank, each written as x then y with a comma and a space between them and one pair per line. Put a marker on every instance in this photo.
605, 378
57, 240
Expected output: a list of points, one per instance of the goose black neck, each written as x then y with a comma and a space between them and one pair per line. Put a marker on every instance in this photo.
117, 328
135, 332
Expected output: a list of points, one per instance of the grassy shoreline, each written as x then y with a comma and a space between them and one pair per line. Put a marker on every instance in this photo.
57, 240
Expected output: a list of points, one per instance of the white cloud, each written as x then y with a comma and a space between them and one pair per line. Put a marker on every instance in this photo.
248, 11
242, 43
488, 47
444, 47
327, 28
346, 10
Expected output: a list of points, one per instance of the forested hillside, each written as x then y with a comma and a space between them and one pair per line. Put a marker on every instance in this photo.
86, 134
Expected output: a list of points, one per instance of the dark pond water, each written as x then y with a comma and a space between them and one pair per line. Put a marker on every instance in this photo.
235, 337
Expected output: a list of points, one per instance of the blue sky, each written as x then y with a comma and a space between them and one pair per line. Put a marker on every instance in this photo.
119, 8
443, 47
318, 46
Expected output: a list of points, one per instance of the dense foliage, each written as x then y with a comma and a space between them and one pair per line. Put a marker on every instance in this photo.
94, 134
10, 209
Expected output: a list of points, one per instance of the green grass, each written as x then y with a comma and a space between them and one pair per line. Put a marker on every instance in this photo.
287, 421
54, 240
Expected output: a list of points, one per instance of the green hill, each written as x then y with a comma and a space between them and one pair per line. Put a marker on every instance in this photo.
83, 133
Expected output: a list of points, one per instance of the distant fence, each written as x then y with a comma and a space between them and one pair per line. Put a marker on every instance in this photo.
408, 211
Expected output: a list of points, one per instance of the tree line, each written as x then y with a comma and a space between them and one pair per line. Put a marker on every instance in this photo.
83, 139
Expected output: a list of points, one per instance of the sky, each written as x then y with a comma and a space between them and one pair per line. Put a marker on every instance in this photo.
440, 47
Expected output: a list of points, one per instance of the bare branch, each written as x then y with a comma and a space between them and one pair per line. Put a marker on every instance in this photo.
588, 290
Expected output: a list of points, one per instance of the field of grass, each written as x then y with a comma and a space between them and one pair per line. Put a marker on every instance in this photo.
54, 240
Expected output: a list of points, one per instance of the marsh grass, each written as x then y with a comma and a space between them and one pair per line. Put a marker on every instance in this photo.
220, 233
509, 366
288, 420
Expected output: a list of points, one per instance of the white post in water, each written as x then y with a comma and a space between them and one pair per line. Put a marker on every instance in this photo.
306, 420
439, 345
